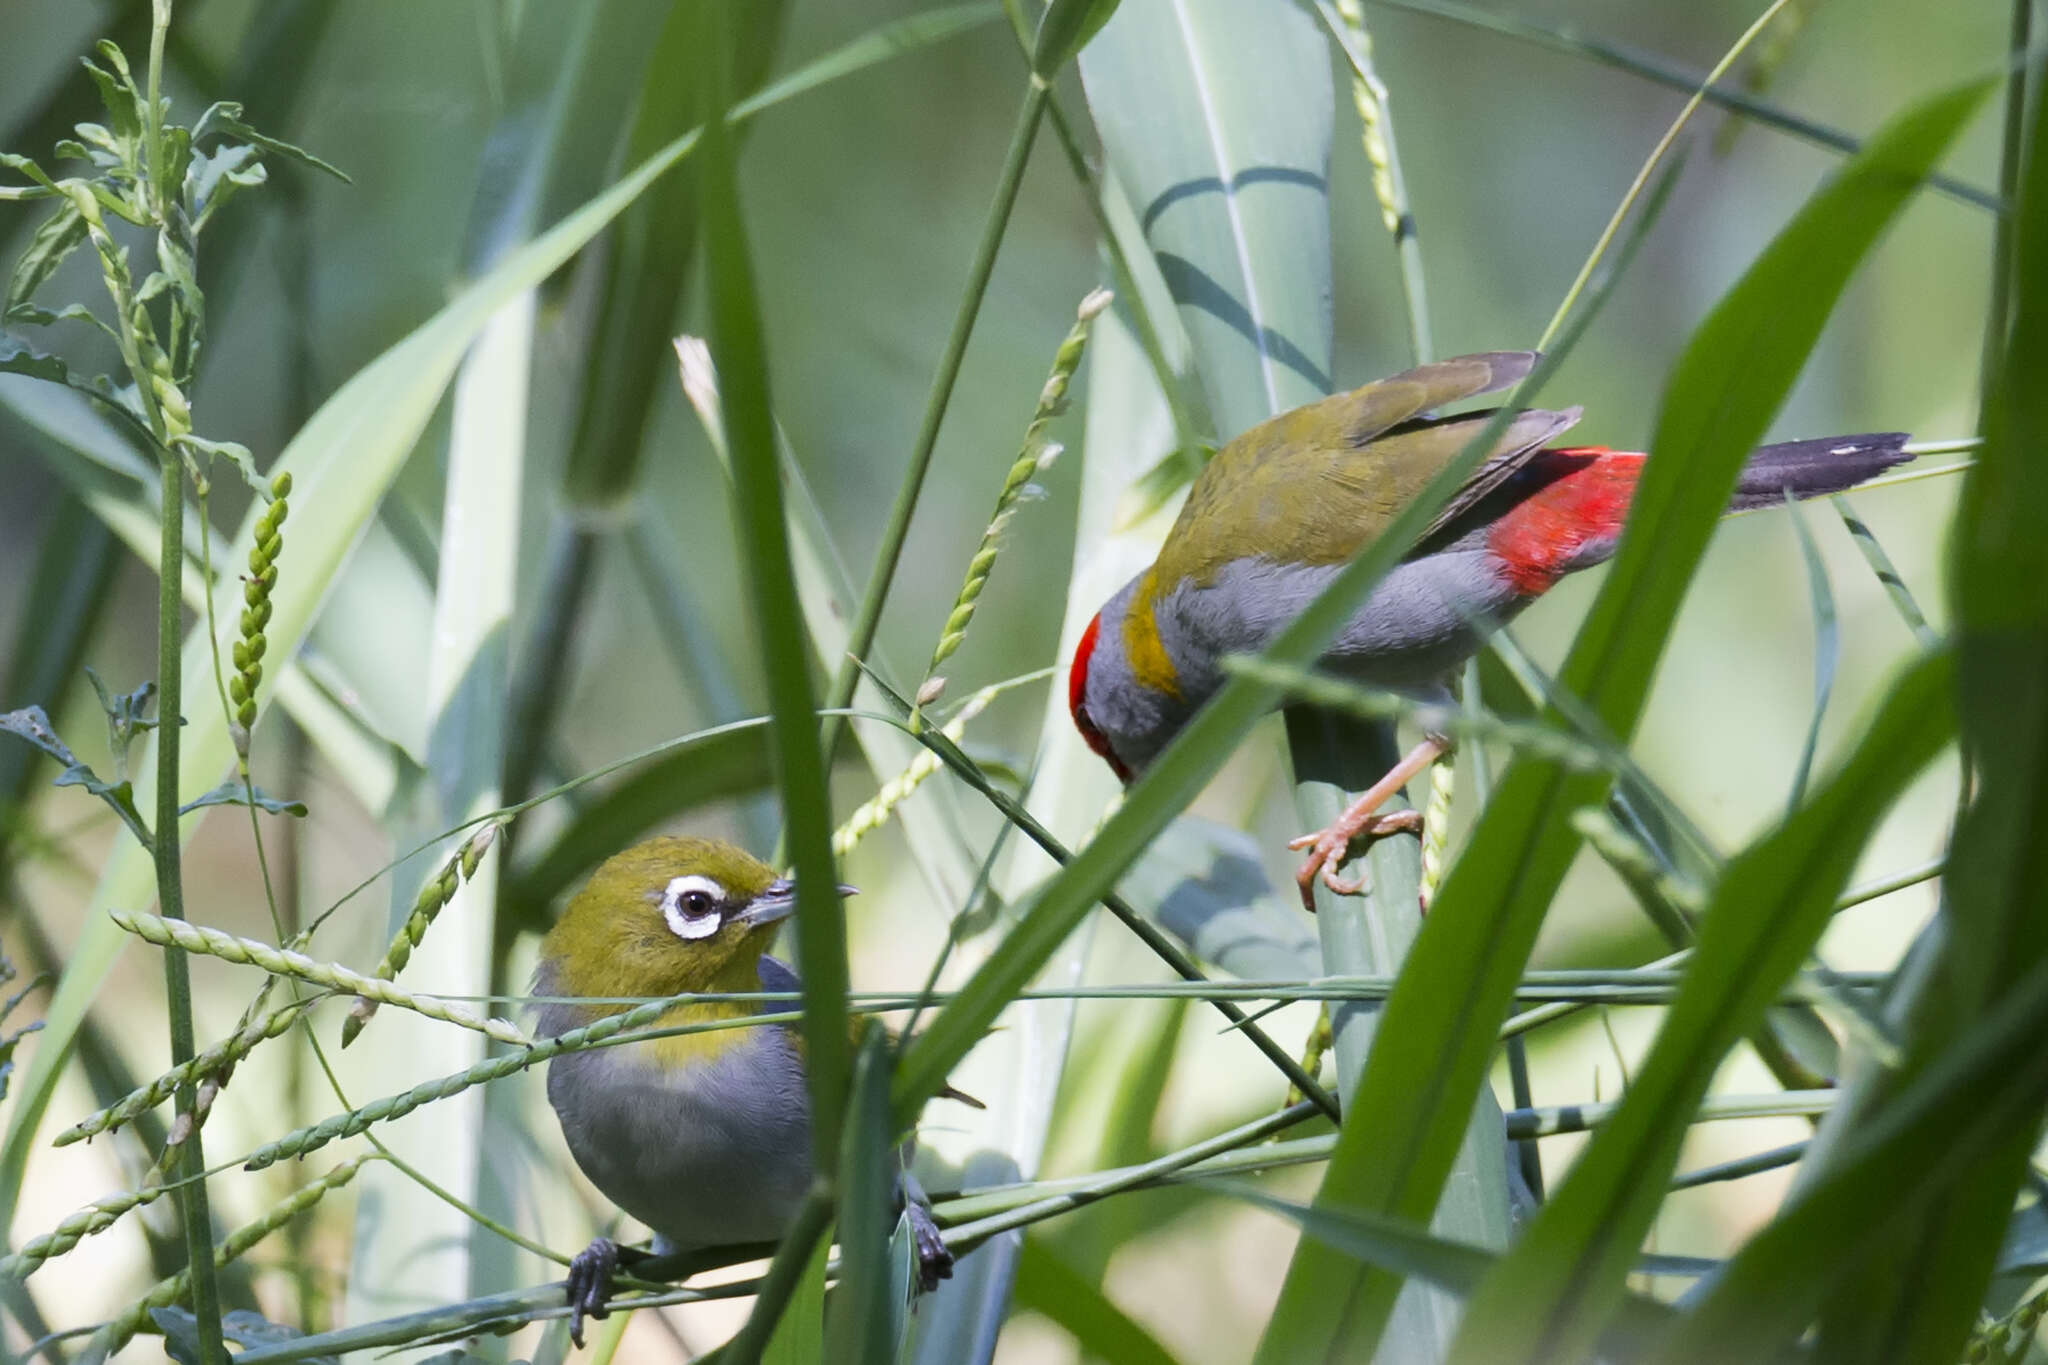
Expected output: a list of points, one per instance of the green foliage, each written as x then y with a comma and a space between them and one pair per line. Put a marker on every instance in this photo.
1225, 152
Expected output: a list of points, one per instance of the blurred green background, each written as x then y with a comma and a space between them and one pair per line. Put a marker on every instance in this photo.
863, 201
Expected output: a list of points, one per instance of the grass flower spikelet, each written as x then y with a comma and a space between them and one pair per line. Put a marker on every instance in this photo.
1035, 454
231, 948
432, 900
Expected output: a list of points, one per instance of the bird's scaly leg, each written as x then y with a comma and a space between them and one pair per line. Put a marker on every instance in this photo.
1328, 847
590, 1282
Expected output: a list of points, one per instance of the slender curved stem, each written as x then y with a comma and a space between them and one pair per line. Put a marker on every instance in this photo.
887, 554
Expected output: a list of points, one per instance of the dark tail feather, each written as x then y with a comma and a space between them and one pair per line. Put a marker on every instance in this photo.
1809, 469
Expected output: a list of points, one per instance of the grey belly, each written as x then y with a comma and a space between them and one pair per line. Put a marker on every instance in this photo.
1425, 618
718, 1158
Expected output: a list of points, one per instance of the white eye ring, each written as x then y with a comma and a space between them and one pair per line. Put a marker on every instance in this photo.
691, 906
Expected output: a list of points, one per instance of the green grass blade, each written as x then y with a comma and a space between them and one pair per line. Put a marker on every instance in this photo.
1453, 1266
739, 347
1046, 1282
1443, 1016
1827, 649
1672, 76
1550, 1297
861, 1320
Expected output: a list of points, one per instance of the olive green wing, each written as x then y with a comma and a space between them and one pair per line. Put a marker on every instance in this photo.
1316, 485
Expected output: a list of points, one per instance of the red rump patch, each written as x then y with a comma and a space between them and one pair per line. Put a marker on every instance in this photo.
1572, 519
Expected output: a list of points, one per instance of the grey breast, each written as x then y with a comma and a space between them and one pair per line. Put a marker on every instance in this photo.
714, 1155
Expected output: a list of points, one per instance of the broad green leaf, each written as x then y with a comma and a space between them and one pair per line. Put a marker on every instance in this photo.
1549, 1299
1442, 1016
342, 461
1216, 120
1454, 1266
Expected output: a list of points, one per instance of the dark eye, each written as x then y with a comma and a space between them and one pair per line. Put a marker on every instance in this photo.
698, 902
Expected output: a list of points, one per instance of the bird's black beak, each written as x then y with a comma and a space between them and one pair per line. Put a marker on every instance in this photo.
777, 902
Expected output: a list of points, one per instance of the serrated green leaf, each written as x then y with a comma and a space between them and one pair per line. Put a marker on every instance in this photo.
54, 240
232, 793
123, 102
235, 454
224, 120
214, 177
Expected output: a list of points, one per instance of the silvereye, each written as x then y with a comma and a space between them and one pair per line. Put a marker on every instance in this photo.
1281, 509
704, 1137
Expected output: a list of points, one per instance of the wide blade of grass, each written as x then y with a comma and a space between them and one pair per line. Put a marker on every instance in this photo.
1549, 1299
1440, 1023
1216, 119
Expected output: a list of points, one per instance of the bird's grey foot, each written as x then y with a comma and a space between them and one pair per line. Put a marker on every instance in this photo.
590, 1282
1331, 847
934, 1257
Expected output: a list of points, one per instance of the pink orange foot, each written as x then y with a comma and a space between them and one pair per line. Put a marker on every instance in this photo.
1330, 847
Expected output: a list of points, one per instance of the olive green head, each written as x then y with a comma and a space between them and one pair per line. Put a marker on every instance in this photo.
668, 916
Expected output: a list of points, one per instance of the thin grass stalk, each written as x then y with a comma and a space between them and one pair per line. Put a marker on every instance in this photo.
1674, 77
1011, 178
874, 812
179, 934
1149, 933
1649, 167
167, 847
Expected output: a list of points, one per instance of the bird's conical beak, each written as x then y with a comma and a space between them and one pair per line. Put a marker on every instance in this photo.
778, 902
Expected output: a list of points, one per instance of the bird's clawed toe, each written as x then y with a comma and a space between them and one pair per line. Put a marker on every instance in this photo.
1330, 848
590, 1285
